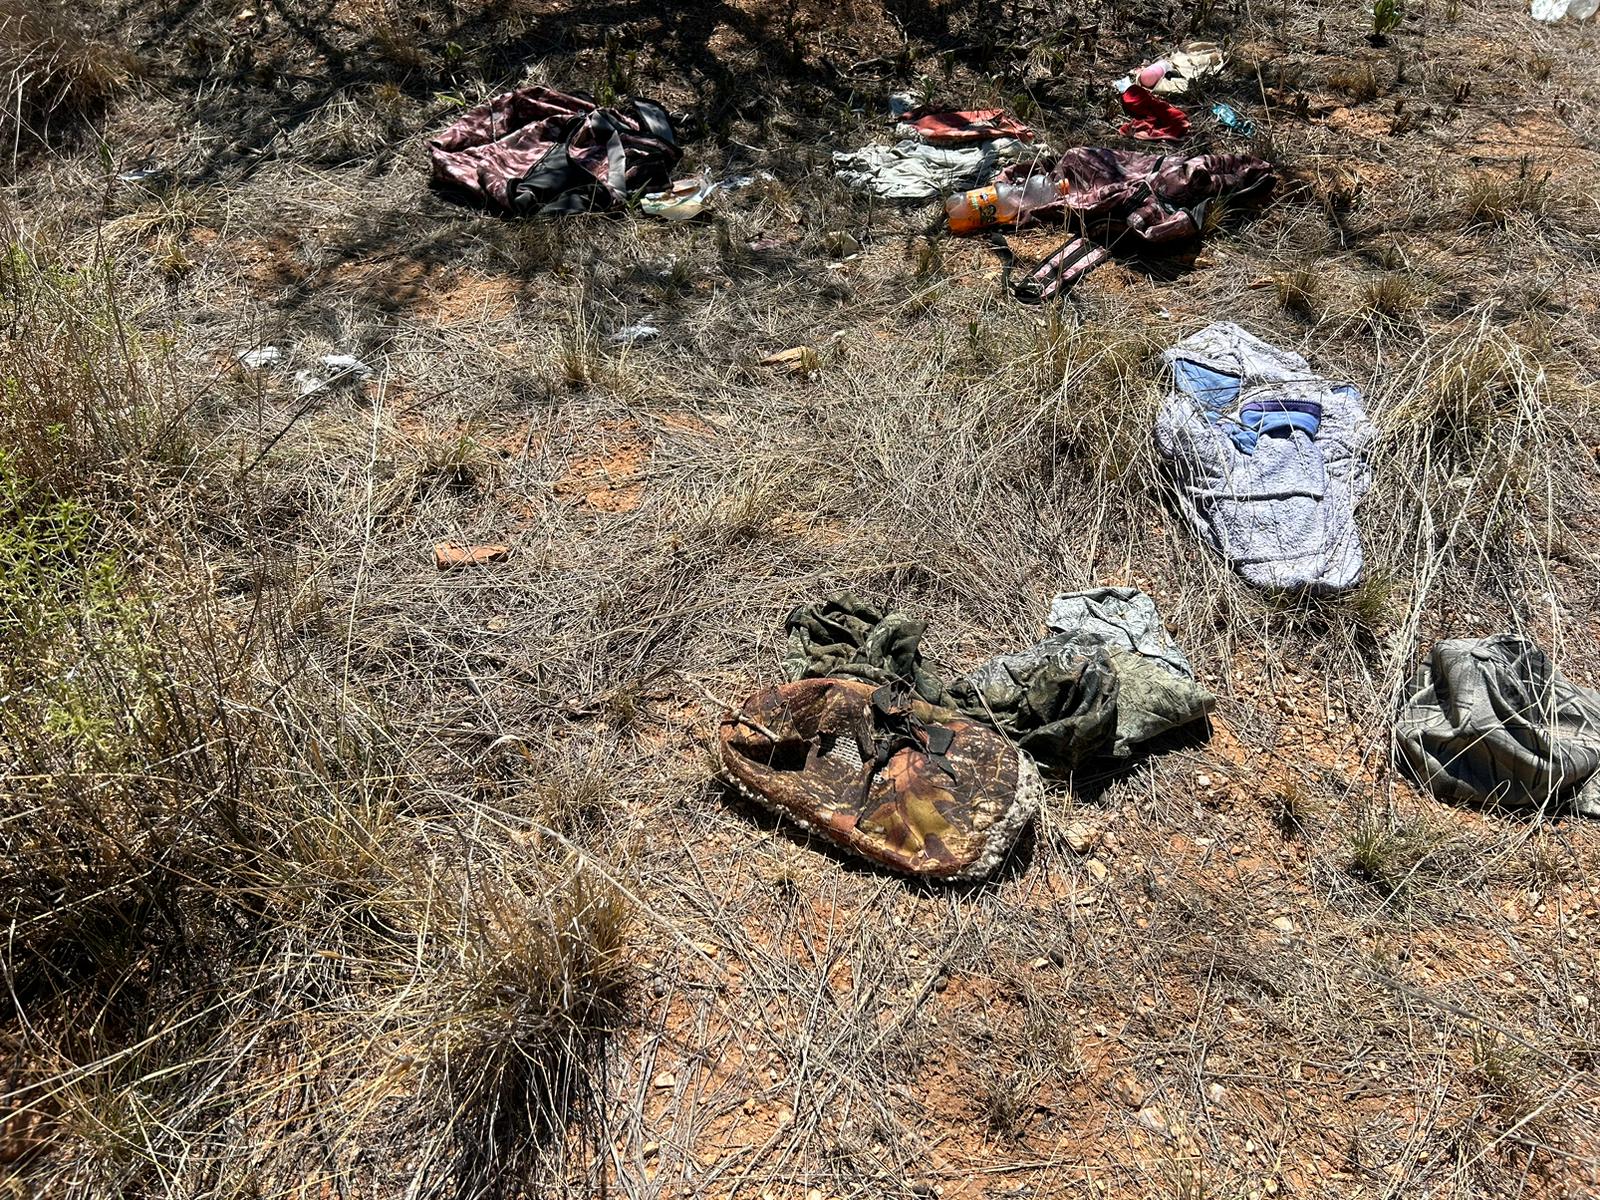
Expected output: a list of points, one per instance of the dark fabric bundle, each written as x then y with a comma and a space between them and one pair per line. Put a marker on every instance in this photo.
1150, 199
547, 153
1490, 720
1106, 680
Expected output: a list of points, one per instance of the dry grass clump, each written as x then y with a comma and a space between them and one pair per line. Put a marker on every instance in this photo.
1358, 84
89, 406
1397, 859
51, 71
1494, 200
1393, 296
240, 914
1469, 384
1299, 292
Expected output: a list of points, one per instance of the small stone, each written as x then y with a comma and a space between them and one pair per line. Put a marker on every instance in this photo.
651, 1149
1272, 1186
1129, 1091
814, 1194
1580, 1002
1081, 838
1038, 964
841, 244
1508, 977
665, 1080
1203, 780
1098, 870
1214, 1093
1152, 1120
1283, 924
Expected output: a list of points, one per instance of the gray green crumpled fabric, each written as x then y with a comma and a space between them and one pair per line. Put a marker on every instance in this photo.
1490, 720
1158, 688
1106, 679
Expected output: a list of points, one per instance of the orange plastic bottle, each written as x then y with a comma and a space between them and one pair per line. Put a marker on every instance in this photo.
1001, 203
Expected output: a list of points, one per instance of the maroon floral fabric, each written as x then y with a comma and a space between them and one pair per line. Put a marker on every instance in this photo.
1153, 199
537, 149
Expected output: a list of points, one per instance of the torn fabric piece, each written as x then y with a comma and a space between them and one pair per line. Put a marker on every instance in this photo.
1145, 199
1121, 616
913, 170
1158, 691
1060, 700
844, 636
1154, 119
1195, 61
1057, 700
1270, 459
962, 128
1491, 720
540, 151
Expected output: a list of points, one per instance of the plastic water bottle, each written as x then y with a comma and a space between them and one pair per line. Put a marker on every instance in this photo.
1153, 74
1001, 203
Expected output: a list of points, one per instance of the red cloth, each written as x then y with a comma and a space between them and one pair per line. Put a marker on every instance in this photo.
1155, 119
964, 128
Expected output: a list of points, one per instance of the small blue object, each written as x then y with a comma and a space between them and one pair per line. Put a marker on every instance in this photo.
1225, 114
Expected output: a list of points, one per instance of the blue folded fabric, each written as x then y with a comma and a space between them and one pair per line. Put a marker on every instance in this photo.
1258, 418
1213, 389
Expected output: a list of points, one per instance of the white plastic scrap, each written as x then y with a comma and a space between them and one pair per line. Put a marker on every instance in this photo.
261, 356
336, 368
633, 334
1554, 10
685, 200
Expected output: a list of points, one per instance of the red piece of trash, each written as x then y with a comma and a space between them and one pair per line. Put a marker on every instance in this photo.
1155, 120
448, 556
964, 128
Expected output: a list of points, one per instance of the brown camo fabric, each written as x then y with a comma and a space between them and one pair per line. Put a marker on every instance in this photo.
807, 750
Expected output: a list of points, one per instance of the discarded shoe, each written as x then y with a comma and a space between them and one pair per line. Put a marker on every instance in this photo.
905, 785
